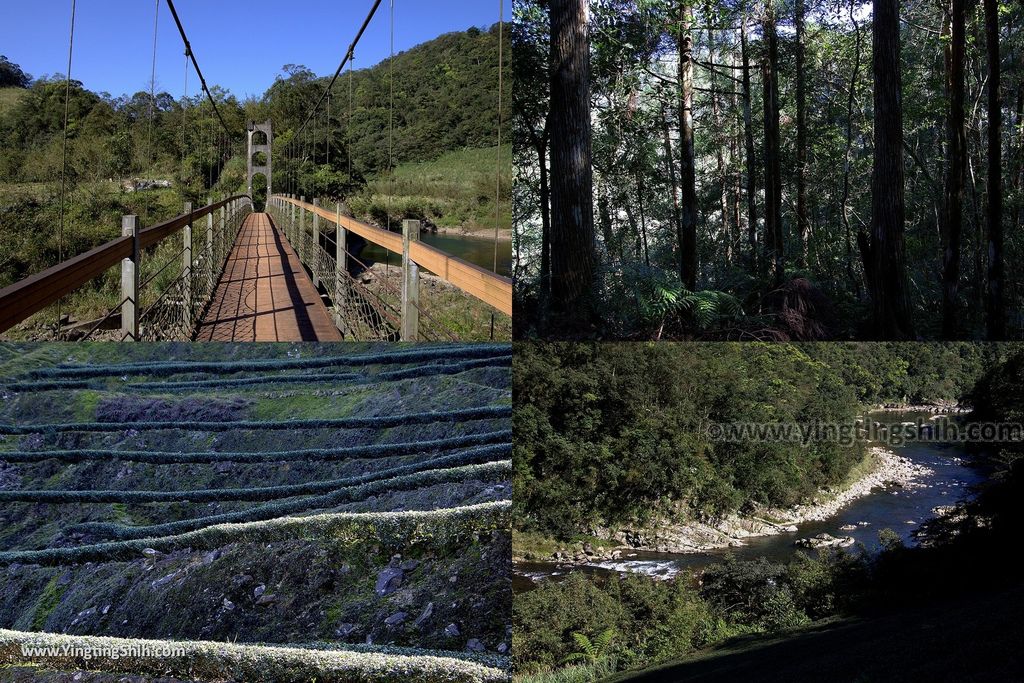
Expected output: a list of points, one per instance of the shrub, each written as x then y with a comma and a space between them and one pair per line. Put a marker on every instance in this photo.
383, 450
379, 422
258, 663
166, 368
488, 471
440, 529
359, 483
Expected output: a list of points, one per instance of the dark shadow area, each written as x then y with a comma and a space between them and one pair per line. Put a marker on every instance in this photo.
973, 639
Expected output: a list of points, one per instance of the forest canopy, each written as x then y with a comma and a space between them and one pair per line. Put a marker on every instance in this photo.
769, 169
614, 433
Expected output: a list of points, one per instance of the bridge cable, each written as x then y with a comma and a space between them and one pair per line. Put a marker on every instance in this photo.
348, 132
497, 191
497, 175
64, 153
152, 95
191, 55
348, 55
391, 134
184, 116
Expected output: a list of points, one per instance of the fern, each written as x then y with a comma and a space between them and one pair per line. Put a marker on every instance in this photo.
590, 651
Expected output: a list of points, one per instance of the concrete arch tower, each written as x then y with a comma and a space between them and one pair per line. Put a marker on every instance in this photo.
260, 145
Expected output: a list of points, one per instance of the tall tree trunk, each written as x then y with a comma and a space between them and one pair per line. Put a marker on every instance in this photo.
803, 226
774, 243
854, 281
687, 172
573, 254
748, 135
540, 145
956, 170
996, 308
734, 147
723, 182
676, 219
883, 251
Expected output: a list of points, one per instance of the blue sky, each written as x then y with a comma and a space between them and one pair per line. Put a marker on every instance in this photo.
240, 45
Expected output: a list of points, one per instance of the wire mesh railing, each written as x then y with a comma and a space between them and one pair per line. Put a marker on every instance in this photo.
373, 303
164, 286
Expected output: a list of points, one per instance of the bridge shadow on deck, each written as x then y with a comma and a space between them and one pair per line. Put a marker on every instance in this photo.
265, 294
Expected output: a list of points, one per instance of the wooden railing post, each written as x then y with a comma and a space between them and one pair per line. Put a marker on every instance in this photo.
340, 271
209, 242
314, 256
186, 271
410, 284
301, 237
130, 281
222, 238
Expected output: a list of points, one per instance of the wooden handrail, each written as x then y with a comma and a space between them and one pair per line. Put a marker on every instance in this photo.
491, 288
34, 293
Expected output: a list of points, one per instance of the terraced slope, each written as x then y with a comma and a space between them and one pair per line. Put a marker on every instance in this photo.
348, 500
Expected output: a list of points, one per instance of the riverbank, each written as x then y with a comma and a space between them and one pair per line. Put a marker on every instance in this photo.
504, 234
941, 407
880, 467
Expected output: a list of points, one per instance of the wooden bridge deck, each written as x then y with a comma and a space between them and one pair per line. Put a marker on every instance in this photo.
264, 294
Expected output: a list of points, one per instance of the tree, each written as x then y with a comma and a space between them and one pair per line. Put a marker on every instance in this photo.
572, 215
884, 251
748, 138
774, 242
803, 226
996, 307
11, 75
956, 169
687, 170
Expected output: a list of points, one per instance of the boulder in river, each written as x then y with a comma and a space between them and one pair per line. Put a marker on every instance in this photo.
825, 541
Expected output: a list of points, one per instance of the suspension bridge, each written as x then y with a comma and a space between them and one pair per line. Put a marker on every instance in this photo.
260, 265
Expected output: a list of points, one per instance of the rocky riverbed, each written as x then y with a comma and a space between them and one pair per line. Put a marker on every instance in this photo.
888, 469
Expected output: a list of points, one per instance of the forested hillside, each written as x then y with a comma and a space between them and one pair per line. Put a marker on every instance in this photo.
445, 94
939, 605
778, 169
615, 433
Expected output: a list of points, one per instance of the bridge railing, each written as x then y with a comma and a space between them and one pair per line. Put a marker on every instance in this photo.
329, 269
158, 300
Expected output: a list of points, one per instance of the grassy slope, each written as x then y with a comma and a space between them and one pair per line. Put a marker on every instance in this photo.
969, 640
456, 191
318, 584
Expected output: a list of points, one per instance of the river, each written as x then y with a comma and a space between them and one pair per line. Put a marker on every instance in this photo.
902, 510
477, 250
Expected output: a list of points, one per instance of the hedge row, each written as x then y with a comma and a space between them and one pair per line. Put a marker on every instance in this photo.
379, 422
166, 368
256, 493
306, 454
215, 661
491, 471
439, 529
353, 377
430, 370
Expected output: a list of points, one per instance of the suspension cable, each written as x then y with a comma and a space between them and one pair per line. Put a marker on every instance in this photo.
153, 95
189, 53
348, 55
391, 130
348, 128
501, 66
64, 152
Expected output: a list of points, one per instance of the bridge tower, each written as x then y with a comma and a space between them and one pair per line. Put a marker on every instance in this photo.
259, 146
